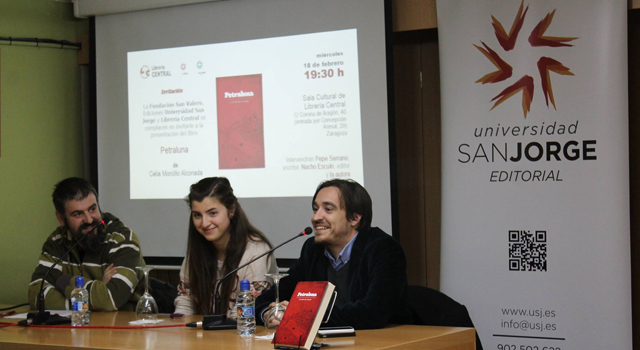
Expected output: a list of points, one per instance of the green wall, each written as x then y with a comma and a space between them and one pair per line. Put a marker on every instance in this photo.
40, 132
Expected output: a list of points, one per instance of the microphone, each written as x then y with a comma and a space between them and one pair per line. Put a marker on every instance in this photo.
218, 321
45, 317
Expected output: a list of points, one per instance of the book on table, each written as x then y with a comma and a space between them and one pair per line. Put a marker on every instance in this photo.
301, 321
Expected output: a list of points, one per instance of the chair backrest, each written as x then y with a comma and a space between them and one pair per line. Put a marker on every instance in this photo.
164, 295
430, 307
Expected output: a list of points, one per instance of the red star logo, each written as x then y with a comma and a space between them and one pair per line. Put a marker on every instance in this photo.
525, 84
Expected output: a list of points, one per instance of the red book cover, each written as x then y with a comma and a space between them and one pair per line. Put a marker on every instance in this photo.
240, 122
304, 314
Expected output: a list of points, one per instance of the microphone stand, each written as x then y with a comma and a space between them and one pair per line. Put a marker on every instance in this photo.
219, 321
42, 317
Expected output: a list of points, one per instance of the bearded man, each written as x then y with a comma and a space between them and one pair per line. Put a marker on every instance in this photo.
106, 257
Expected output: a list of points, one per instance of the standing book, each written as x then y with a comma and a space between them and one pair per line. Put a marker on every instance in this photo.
302, 319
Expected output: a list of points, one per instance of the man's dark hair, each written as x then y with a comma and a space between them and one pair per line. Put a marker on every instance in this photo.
73, 188
354, 199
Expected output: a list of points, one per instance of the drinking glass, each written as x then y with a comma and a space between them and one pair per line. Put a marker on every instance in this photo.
278, 310
147, 309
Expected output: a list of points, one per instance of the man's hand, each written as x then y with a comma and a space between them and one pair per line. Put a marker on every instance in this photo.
109, 272
273, 322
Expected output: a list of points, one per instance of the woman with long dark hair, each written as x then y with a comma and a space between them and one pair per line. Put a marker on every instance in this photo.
220, 239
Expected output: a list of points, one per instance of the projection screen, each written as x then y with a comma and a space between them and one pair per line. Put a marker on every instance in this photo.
275, 95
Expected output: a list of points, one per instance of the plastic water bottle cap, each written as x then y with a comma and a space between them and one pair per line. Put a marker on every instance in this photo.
245, 285
79, 282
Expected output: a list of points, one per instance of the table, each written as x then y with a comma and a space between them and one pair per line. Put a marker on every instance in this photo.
392, 337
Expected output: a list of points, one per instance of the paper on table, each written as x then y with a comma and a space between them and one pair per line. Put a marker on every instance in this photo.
137, 322
267, 337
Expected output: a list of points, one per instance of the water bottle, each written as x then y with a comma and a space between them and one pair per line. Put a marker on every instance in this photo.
79, 304
246, 308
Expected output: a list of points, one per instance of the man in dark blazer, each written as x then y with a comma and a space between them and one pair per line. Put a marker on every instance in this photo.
367, 266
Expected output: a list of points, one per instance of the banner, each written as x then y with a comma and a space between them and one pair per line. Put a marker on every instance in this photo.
535, 197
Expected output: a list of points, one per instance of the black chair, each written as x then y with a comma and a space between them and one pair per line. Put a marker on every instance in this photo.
164, 295
430, 307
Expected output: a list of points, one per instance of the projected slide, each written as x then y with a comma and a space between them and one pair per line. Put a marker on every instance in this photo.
276, 116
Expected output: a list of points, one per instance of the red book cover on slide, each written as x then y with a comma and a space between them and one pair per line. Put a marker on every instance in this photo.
240, 122
304, 314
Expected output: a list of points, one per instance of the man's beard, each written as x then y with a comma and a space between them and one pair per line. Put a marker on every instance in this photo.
96, 236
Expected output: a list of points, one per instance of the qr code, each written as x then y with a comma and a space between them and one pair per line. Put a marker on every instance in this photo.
527, 250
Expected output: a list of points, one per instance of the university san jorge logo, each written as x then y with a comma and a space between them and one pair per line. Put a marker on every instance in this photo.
546, 65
